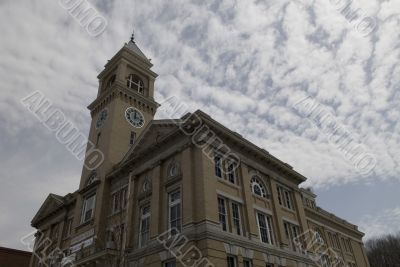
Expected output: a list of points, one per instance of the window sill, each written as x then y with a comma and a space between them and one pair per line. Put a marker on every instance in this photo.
288, 210
89, 222
268, 200
225, 182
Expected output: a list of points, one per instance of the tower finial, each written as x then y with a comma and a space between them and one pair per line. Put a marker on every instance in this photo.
133, 36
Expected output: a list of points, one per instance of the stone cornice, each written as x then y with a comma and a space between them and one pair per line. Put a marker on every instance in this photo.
117, 90
324, 215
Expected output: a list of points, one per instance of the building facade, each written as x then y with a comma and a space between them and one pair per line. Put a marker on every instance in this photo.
14, 258
182, 192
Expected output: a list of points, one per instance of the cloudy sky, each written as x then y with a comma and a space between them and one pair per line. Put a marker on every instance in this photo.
249, 64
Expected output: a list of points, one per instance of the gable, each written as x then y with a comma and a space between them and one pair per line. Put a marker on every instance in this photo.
156, 131
52, 203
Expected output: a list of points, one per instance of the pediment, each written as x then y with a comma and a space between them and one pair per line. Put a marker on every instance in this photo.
155, 132
52, 203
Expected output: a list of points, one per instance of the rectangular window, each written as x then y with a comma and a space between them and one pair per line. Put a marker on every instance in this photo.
54, 231
349, 246
237, 220
174, 203
132, 138
222, 214
98, 138
285, 197
88, 208
231, 261
218, 166
247, 263
144, 226
232, 173
336, 241
170, 263
265, 228
292, 231
119, 200
68, 228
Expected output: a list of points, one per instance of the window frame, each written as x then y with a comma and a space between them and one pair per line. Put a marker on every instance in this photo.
119, 199
137, 85
256, 181
234, 260
237, 220
173, 204
268, 228
85, 209
218, 166
291, 231
223, 214
144, 217
285, 197
248, 261
231, 173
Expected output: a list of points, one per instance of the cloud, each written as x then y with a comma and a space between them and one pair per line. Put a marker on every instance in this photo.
381, 224
244, 63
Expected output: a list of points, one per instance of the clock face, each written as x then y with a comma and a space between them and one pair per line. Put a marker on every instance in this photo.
102, 118
134, 117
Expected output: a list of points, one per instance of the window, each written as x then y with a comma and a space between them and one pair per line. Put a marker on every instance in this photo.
111, 81
257, 187
135, 83
132, 138
68, 228
333, 238
231, 261
171, 263
119, 200
144, 226
88, 208
232, 173
269, 265
318, 236
325, 261
218, 166
265, 228
349, 246
174, 203
54, 231
292, 231
98, 138
91, 179
285, 197
247, 263
222, 214
236, 218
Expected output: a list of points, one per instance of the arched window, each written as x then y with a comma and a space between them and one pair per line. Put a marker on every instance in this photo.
257, 187
135, 83
111, 81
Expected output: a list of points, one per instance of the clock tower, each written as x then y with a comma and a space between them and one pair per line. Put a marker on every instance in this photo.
123, 107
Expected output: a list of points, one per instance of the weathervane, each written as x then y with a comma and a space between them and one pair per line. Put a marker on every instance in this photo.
133, 36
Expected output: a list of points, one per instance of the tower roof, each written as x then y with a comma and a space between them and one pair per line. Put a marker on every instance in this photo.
135, 49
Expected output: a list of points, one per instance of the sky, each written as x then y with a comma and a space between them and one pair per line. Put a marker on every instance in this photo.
269, 70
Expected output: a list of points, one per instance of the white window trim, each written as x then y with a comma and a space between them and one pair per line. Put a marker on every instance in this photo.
240, 217
269, 231
84, 208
